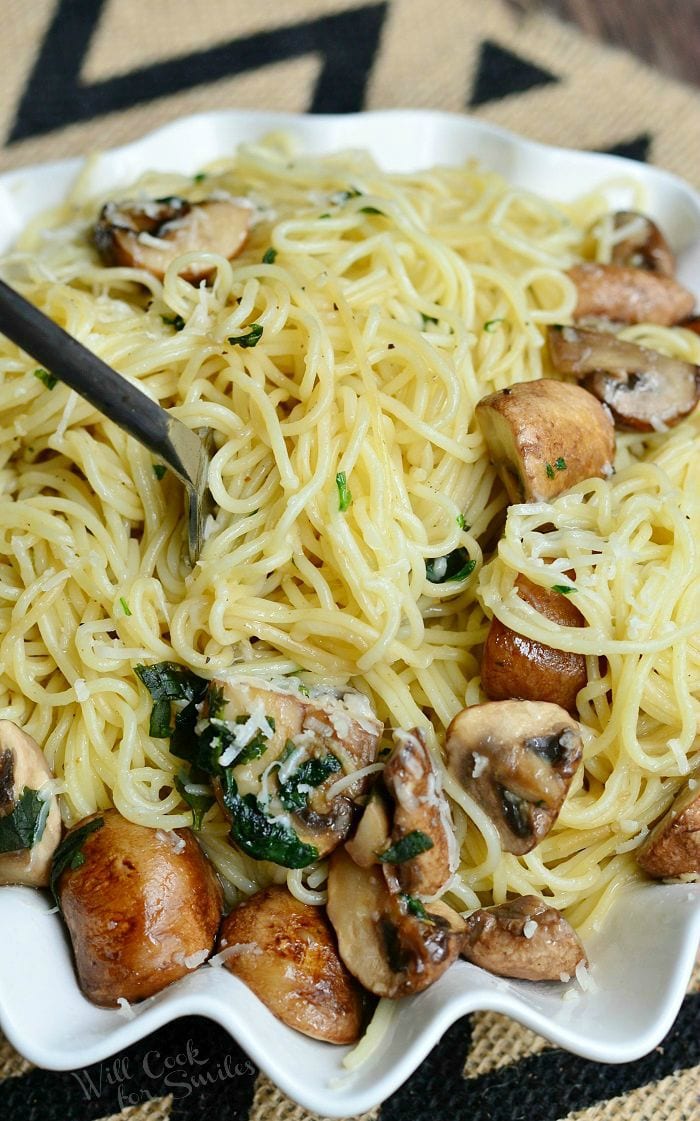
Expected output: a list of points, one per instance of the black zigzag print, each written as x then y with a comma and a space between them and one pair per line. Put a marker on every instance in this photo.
543, 1087
55, 97
500, 73
637, 148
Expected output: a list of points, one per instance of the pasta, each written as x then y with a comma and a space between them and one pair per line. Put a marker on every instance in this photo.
347, 457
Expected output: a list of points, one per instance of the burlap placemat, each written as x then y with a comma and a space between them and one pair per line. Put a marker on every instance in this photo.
85, 74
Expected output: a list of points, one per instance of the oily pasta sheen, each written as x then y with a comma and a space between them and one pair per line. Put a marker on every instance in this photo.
389, 305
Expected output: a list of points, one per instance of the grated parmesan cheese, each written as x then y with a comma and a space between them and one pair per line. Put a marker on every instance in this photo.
529, 928
124, 1009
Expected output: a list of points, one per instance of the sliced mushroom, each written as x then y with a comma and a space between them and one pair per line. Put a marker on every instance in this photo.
644, 389
151, 235
629, 295
517, 760
673, 846
545, 436
523, 938
644, 246
513, 666
285, 951
142, 906
420, 809
391, 943
373, 833
318, 737
30, 823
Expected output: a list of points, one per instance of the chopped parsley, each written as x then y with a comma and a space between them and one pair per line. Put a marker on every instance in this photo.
269, 256
344, 494
415, 907
199, 177
413, 844
371, 210
125, 606
49, 380
491, 324
24, 827
560, 464
428, 319
564, 589
461, 521
260, 836
311, 773
69, 854
259, 743
251, 337
457, 565
550, 470
198, 803
175, 321
217, 704
159, 470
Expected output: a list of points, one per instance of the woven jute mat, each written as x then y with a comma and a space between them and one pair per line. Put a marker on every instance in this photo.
82, 75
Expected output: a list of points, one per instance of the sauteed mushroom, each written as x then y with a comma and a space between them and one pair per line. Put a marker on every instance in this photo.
420, 809
643, 388
304, 745
545, 436
629, 295
515, 666
517, 760
644, 246
523, 938
285, 951
392, 943
673, 846
30, 824
142, 906
150, 235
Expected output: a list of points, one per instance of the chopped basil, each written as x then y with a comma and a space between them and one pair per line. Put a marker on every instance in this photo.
251, 337
159, 470
269, 256
24, 827
491, 324
344, 495
311, 773
371, 210
260, 836
167, 682
175, 321
413, 844
415, 907
198, 803
125, 606
258, 745
160, 726
69, 853
172, 681
457, 565
550, 470
564, 589
49, 380
216, 702
560, 464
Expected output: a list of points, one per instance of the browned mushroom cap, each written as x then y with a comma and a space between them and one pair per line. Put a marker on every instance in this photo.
629, 295
335, 727
517, 760
420, 809
515, 666
142, 907
150, 235
393, 944
30, 824
692, 324
644, 246
523, 938
545, 436
285, 951
644, 389
673, 846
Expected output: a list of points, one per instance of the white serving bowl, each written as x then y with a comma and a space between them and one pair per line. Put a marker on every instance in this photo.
642, 958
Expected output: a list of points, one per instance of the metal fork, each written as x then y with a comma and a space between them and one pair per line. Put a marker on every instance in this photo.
187, 453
